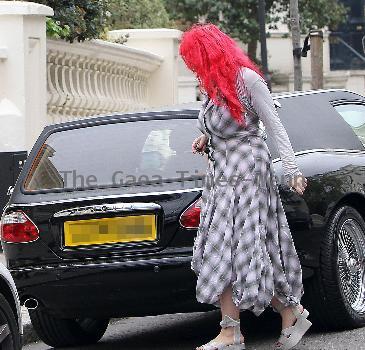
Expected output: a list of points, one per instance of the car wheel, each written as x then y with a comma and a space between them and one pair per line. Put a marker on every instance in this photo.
336, 293
10, 338
58, 332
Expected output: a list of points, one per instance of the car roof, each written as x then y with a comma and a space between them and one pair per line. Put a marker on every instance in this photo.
186, 108
330, 131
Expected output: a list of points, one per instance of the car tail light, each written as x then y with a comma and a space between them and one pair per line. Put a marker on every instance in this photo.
16, 227
190, 218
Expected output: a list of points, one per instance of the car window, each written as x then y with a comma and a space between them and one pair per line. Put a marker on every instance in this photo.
354, 115
312, 123
119, 154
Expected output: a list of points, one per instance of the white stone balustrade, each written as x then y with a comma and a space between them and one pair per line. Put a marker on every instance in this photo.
44, 81
96, 77
164, 83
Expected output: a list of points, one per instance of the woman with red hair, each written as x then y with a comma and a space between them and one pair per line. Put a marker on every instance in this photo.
243, 254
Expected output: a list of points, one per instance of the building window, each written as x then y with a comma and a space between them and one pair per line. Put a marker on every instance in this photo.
346, 50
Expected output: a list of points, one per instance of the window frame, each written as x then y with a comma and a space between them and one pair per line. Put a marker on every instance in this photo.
102, 120
348, 102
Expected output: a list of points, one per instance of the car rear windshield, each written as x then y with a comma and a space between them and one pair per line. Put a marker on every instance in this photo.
118, 154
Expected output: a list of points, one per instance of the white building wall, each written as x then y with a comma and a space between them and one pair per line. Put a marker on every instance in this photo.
23, 73
280, 59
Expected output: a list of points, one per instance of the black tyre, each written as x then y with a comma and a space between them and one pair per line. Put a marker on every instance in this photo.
58, 332
335, 295
10, 338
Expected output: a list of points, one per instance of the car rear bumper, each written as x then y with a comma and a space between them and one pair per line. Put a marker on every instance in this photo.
113, 288
110, 288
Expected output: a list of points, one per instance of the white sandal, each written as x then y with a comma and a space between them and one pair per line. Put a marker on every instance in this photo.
292, 335
227, 322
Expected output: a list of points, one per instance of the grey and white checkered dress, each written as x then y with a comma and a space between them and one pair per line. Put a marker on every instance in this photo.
243, 236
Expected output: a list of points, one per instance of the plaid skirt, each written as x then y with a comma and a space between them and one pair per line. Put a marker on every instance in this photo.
243, 238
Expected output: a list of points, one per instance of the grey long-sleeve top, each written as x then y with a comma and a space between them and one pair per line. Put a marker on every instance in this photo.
260, 98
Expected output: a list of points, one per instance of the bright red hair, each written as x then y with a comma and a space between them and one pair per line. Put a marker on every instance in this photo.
216, 58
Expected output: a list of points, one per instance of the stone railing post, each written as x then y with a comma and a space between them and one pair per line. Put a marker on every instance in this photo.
163, 83
23, 96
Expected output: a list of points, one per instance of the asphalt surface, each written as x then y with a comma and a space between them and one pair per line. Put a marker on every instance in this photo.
186, 331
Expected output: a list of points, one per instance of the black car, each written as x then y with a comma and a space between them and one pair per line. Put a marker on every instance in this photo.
11, 326
103, 216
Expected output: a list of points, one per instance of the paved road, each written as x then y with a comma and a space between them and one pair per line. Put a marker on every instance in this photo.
186, 331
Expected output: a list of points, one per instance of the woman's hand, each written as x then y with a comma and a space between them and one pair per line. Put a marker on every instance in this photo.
199, 144
299, 183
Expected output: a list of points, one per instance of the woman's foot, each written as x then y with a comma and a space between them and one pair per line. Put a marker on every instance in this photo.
287, 316
225, 336
294, 326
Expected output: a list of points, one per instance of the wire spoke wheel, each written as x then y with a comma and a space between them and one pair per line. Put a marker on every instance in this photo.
351, 264
336, 292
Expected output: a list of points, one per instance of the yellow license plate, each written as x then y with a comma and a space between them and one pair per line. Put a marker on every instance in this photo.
110, 230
